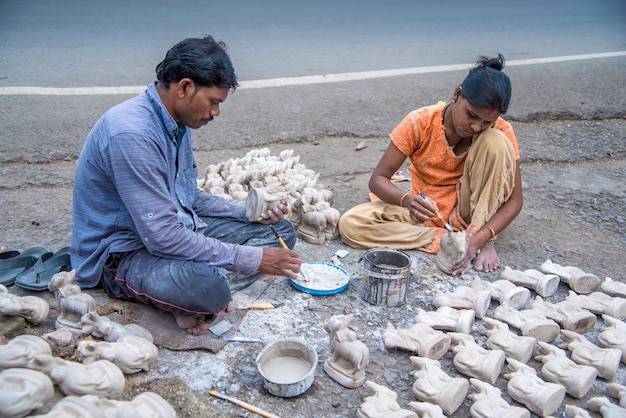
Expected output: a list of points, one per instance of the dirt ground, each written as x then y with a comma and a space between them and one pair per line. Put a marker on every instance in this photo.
574, 181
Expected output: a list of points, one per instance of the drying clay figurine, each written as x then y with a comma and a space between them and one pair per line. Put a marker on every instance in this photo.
447, 319
543, 398
259, 202
572, 411
452, 246
420, 339
32, 308
144, 405
600, 303
578, 280
571, 316
605, 360
472, 360
617, 391
427, 410
605, 407
433, 385
504, 291
464, 297
100, 378
130, 353
613, 288
21, 350
382, 403
614, 335
488, 403
500, 337
558, 368
103, 327
545, 285
349, 356
72, 302
23, 391
531, 322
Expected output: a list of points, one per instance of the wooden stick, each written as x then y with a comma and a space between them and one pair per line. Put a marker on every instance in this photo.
243, 404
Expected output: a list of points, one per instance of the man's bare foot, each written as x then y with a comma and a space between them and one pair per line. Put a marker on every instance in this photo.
487, 259
192, 324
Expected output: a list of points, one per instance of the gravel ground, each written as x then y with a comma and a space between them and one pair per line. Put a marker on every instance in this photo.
574, 180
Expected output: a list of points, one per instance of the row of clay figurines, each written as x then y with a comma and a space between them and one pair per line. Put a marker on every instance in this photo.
263, 181
487, 402
544, 281
433, 386
426, 339
29, 371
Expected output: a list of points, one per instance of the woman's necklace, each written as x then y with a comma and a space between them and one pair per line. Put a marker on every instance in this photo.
443, 123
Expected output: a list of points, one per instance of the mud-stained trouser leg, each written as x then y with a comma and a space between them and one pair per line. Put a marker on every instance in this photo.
380, 224
188, 287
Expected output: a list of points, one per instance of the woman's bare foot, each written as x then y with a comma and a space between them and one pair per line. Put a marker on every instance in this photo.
192, 324
487, 259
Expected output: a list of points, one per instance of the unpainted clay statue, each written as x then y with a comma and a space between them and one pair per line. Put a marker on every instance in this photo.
23, 391
382, 403
259, 202
573, 411
420, 339
433, 385
600, 303
542, 398
472, 360
349, 356
72, 302
613, 288
578, 280
447, 319
452, 246
605, 360
500, 337
617, 391
312, 222
504, 291
20, 350
606, 408
487, 402
144, 405
613, 336
103, 327
100, 378
531, 322
558, 368
465, 297
571, 316
427, 410
32, 308
545, 285
130, 353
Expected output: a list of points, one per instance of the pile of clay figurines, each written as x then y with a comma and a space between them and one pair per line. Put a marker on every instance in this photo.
553, 334
99, 352
263, 180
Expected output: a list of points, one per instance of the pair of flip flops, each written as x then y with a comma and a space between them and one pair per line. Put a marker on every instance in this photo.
33, 268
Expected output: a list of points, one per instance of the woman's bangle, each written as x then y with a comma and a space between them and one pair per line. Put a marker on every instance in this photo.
403, 196
493, 233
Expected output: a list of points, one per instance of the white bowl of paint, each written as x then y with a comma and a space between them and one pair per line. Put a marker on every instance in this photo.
287, 367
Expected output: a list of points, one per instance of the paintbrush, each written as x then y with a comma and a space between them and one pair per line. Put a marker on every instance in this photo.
446, 224
242, 404
233, 306
280, 240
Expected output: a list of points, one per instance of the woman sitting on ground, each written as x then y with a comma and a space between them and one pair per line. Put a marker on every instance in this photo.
464, 164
